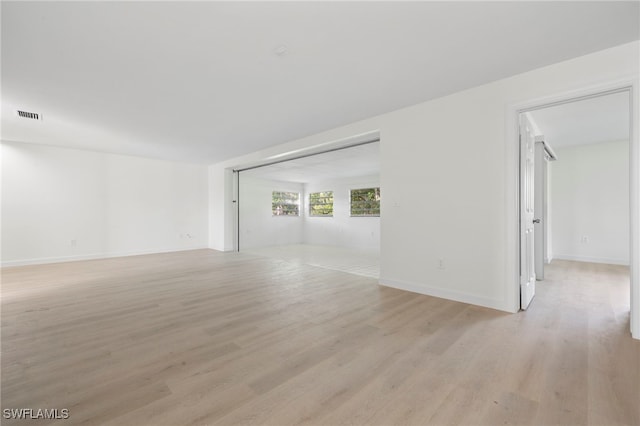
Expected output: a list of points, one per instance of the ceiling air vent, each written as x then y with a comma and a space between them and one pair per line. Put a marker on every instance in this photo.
29, 115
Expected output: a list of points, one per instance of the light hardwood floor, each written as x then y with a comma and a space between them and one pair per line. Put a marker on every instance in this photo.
204, 337
351, 260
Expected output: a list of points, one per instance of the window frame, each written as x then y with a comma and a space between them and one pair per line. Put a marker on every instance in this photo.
275, 206
311, 214
376, 190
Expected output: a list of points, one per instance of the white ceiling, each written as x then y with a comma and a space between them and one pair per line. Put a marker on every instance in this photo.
201, 81
362, 160
600, 119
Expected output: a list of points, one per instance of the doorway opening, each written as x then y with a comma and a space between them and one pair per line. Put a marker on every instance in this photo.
321, 209
575, 214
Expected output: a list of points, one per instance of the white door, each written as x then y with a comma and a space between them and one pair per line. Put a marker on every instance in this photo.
527, 194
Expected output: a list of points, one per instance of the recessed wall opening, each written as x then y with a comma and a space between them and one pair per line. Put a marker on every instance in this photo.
576, 194
321, 209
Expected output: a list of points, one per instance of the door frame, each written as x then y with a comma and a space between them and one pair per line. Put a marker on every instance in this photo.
544, 155
631, 85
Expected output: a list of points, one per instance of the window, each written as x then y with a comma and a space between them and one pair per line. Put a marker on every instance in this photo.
321, 203
285, 203
365, 202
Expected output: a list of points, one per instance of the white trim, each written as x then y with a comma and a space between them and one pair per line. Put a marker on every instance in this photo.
512, 177
443, 293
372, 136
62, 259
609, 261
634, 207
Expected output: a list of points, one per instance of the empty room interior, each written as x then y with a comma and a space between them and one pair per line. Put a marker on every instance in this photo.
320, 213
320, 210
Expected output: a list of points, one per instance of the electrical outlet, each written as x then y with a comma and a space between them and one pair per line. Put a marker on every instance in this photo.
584, 239
441, 263
73, 243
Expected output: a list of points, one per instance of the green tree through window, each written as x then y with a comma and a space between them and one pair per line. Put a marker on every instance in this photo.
321, 203
365, 202
285, 203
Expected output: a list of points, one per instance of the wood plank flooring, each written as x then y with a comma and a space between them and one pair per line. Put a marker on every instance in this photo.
365, 262
204, 337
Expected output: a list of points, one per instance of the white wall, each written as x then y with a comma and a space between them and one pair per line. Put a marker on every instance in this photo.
342, 229
258, 226
590, 198
448, 179
221, 194
65, 204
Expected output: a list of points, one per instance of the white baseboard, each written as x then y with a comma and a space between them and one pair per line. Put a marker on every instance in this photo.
60, 259
445, 294
589, 259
